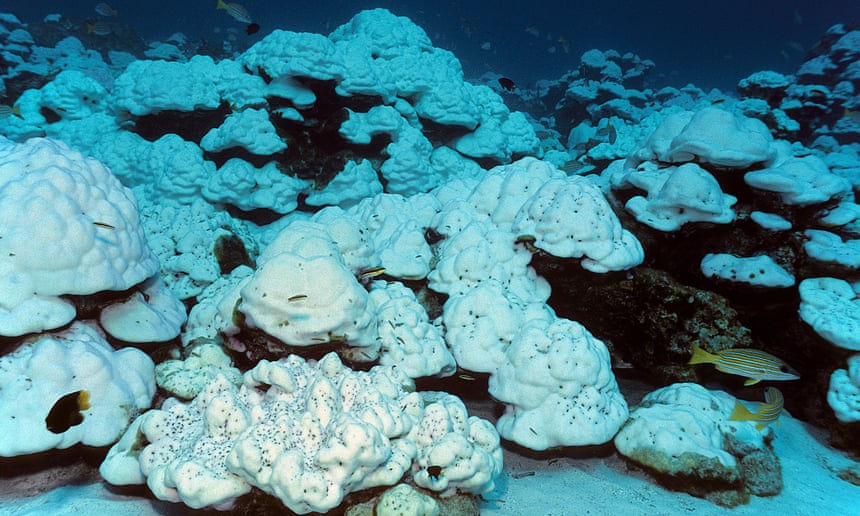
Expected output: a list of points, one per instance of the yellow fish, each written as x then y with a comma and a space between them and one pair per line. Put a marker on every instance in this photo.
371, 273
767, 412
754, 364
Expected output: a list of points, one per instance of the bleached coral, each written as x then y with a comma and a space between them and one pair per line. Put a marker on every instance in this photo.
150, 314
482, 321
678, 195
69, 227
465, 449
754, 270
831, 307
307, 433
558, 387
719, 137
307, 301
570, 218
480, 253
680, 430
46, 368
799, 181
843, 396
407, 338
186, 378
249, 129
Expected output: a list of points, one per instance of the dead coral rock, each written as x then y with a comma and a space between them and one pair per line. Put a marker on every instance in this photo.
646, 317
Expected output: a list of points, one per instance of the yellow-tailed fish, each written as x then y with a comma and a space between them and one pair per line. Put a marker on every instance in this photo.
105, 10
371, 272
754, 364
236, 11
766, 413
66, 411
6, 110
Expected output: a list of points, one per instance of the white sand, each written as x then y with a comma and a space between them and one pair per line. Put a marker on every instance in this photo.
607, 486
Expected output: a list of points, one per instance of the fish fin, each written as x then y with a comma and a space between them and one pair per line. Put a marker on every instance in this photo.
700, 356
84, 400
760, 426
751, 381
741, 413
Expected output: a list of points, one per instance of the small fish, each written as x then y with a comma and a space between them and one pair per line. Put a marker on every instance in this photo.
105, 10
371, 273
6, 110
507, 84
236, 11
767, 412
609, 132
66, 412
99, 28
565, 45
434, 472
571, 166
818, 91
297, 297
252, 28
533, 31
467, 377
104, 225
754, 364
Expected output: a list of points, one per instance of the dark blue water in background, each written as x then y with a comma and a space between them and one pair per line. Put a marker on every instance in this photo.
712, 44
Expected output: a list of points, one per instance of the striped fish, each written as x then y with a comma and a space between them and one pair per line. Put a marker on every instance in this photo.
767, 412
754, 364
237, 11
105, 10
372, 272
10, 110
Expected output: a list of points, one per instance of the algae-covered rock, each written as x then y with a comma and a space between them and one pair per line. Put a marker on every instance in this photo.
683, 435
646, 317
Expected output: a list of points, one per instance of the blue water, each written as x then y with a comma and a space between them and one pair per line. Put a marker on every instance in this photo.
712, 44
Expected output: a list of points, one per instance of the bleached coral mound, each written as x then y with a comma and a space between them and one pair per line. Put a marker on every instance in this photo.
308, 433
47, 368
68, 227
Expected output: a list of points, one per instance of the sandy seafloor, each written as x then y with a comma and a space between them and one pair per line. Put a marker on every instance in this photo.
555, 486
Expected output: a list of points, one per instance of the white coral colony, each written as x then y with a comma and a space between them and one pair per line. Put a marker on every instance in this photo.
67, 226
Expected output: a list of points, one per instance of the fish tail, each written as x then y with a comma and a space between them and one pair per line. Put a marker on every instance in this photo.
741, 413
220, 5
84, 400
700, 356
